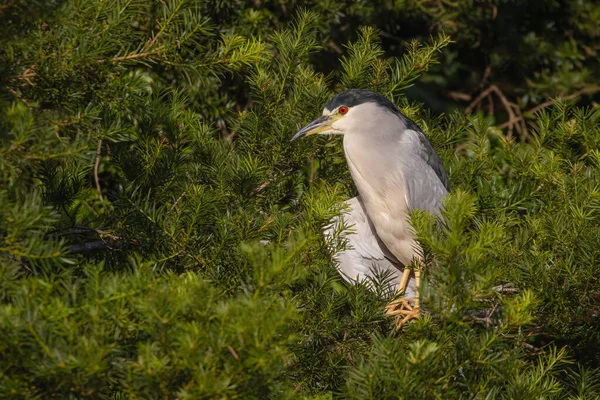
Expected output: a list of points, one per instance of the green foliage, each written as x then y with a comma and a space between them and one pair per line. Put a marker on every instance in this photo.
141, 335
160, 237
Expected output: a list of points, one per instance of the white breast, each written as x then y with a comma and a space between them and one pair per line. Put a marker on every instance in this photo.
380, 182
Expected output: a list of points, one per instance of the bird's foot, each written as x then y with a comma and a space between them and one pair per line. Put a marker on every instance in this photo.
404, 310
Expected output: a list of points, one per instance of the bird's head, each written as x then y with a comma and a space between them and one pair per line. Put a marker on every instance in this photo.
354, 111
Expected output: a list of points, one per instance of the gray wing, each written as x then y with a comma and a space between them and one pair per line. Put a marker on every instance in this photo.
427, 152
365, 256
427, 181
431, 157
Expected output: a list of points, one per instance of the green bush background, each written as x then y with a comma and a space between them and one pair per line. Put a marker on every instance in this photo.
160, 237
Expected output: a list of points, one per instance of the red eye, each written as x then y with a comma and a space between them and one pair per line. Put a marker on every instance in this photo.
343, 110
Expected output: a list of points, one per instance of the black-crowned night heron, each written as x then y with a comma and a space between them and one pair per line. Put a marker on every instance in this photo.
395, 170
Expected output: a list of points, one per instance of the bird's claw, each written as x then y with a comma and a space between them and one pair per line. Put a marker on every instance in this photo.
404, 310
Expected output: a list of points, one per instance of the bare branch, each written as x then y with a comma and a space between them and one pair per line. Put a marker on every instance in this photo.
515, 116
587, 90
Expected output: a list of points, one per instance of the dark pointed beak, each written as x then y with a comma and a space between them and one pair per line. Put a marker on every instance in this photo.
319, 125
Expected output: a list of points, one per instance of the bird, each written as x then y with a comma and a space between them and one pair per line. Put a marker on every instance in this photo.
395, 170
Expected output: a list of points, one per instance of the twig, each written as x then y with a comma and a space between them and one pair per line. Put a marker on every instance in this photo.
483, 316
265, 184
456, 95
130, 56
176, 202
515, 117
284, 10
96, 166
490, 105
513, 120
588, 90
486, 76
478, 99
14, 92
535, 349
233, 352
28, 73
505, 288
335, 47
488, 317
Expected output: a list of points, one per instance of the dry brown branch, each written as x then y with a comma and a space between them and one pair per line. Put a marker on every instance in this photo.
521, 118
333, 45
490, 105
515, 117
486, 76
478, 100
588, 90
25, 76
284, 9
233, 352
14, 92
455, 95
537, 350
176, 202
264, 185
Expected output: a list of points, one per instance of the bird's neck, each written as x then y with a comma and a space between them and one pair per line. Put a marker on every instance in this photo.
373, 164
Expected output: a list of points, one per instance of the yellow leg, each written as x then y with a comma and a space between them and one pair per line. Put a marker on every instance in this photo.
404, 280
399, 305
417, 283
402, 307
